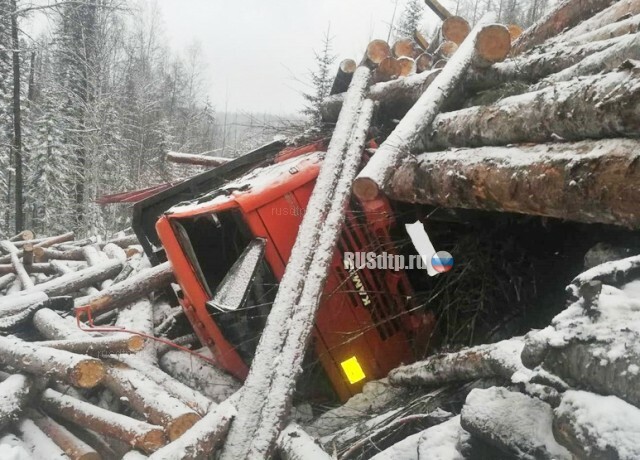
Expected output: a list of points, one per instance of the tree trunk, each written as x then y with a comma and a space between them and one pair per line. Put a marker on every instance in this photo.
276, 339
14, 316
78, 370
203, 439
196, 160
404, 137
140, 435
15, 393
75, 448
344, 76
607, 16
628, 47
17, 121
626, 26
589, 181
24, 235
600, 106
74, 281
7, 279
138, 317
46, 269
500, 360
565, 15
121, 294
438, 9
37, 442
150, 399
594, 438
114, 343
45, 254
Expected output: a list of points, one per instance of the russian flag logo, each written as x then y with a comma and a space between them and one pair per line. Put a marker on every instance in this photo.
442, 261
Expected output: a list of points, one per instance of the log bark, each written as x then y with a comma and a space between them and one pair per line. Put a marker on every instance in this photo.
344, 76
6, 280
589, 181
495, 416
46, 269
38, 443
419, 39
150, 399
295, 444
75, 448
397, 145
137, 434
128, 240
138, 317
565, 15
15, 316
353, 120
203, 439
52, 326
617, 55
501, 360
27, 256
15, 393
630, 25
438, 9
46, 254
609, 15
78, 370
594, 427
455, 29
600, 106
99, 346
196, 160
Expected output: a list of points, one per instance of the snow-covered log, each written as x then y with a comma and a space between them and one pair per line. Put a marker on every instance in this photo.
209, 380
630, 25
78, 370
138, 317
15, 392
272, 342
137, 434
52, 326
588, 181
516, 424
614, 273
47, 269
197, 160
619, 54
123, 241
46, 254
500, 359
14, 258
6, 280
24, 235
74, 447
565, 15
607, 16
39, 445
404, 137
150, 399
99, 346
202, 439
343, 77
125, 292
600, 106
113, 251
593, 426
295, 444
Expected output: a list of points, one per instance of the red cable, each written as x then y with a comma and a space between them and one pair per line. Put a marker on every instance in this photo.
93, 328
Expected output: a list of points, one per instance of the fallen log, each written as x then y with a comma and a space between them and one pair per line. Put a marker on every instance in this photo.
18, 314
600, 106
75, 448
113, 251
196, 160
397, 145
52, 326
128, 240
14, 257
295, 444
7, 279
150, 399
127, 291
138, 317
405, 47
246, 426
278, 398
137, 434
630, 25
500, 359
606, 60
38, 443
495, 416
24, 235
455, 29
98, 346
593, 426
46, 254
424, 62
78, 370
588, 181
343, 77
607, 16
15, 393
565, 15
419, 39
47, 269
438, 9
203, 439
377, 51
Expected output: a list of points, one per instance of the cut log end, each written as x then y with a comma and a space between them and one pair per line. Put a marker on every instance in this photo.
455, 29
405, 66
404, 48
388, 69
179, 425
440, 63
514, 31
493, 43
377, 51
424, 62
365, 189
447, 49
152, 440
135, 343
88, 373
348, 65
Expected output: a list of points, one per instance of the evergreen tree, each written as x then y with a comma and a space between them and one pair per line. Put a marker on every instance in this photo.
321, 80
410, 19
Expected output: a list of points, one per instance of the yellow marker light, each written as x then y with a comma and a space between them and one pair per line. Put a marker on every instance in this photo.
353, 370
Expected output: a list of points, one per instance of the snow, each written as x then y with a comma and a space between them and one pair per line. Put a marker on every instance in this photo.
40, 445
607, 420
13, 391
518, 422
12, 448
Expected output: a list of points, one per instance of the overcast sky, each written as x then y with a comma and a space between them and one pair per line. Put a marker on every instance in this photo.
255, 49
